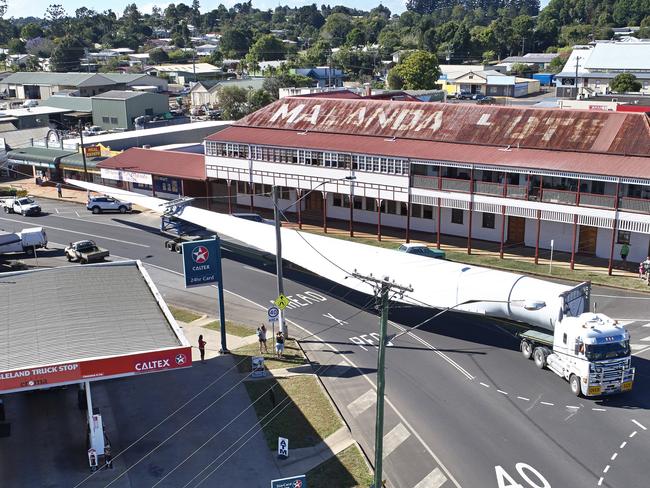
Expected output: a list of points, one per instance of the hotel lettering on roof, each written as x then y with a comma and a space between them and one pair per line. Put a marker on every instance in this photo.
516, 176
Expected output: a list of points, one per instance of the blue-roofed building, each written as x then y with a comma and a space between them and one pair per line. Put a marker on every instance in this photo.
323, 75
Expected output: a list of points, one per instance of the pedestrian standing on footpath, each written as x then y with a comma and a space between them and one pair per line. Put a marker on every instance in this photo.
279, 344
202, 344
261, 335
58, 190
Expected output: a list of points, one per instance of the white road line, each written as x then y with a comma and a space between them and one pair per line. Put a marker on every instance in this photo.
645, 339
394, 439
571, 406
640, 351
524, 399
485, 385
435, 479
645, 325
502, 392
547, 403
621, 297
363, 403
57, 210
638, 347
614, 456
623, 445
250, 268
638, 424
77, 214
632, 434
599, 409
606, 469
434, 349
83, 233
349, 361
600, 481
98, 222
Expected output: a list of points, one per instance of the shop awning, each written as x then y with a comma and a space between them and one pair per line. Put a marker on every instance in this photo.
40, 157
75, 162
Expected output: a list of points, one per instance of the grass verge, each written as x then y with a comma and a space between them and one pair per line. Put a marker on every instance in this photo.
348, 469
184, 315
292, 356
232, 328
308, 417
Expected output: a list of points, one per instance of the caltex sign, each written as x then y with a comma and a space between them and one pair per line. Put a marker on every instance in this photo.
201, 262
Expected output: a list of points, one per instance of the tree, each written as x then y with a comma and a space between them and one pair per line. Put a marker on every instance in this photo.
55, 16
158, 56
419, 71
235, 42
215, 58
286, 80
267, 48
336, 28
355, 37
67, 54
257, 99
233, 102
16, 46
41, 47
31, 30
625, 82
394, 80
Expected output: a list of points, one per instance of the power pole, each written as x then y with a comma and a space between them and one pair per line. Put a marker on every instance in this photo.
278, 256
575, 82
83, 151
383, 289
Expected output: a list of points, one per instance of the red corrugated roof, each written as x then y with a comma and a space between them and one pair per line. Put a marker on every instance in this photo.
489, 125
163, 163
537, 159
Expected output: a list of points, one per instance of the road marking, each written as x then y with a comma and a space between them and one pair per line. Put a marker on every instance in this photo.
363, 403
637, 347
606, 469
82, 233
524, 399
638, 424
623, 445
646, 339
621, 297
632, 434
645, 325
57, 210
600, 481
394, 439
614, 456
351, 363
640, 351
77, 214
485, 385
599, 409
571, 406
547, 403
434, 349
92, 222
502, 392
435, 479
250, 268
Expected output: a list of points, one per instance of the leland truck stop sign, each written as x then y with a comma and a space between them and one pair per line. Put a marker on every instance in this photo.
293, 482
201, 262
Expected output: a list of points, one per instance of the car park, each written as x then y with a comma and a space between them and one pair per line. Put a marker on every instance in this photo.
107, 204
422, 250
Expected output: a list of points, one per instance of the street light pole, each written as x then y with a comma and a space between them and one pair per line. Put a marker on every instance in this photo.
278, 256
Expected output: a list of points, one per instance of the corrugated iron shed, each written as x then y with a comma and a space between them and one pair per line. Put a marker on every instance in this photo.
538, 128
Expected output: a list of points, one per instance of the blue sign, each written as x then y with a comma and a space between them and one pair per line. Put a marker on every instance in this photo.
201, 262
293, 482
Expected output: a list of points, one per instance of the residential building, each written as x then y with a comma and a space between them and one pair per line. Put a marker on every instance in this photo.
206, 93
42, 85
118, 109
590, 69
206, 49
510, 175
539, 60
489, 82
185, 73
324, 76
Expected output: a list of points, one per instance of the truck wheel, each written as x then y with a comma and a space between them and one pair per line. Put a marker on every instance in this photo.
122, 209
69, 257
178, 248
7, 210
526, 349
83, 261
574, 382
97, 210
539, 355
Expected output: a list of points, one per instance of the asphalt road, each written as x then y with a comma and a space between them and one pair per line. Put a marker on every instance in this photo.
464, 408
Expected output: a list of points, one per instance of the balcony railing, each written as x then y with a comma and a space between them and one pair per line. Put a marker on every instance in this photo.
549, 195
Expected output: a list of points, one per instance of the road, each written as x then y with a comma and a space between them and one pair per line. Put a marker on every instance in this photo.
463, 407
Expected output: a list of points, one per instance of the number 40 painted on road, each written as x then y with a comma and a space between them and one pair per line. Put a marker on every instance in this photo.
504, 480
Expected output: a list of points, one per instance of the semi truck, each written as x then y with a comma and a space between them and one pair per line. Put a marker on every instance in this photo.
24, 241
590, 350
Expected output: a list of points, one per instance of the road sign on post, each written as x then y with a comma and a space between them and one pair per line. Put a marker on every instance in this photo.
201, 267
282, 301
293, 482
274, 313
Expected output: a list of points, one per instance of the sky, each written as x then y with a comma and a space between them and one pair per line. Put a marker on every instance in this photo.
24, 8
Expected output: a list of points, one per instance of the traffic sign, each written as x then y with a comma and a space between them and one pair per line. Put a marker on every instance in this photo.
282, 302
292, 482
274, 313
283, 447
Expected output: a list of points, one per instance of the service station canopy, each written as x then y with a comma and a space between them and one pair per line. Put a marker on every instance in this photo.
84, 323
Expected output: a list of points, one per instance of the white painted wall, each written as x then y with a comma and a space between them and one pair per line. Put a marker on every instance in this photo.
639, 246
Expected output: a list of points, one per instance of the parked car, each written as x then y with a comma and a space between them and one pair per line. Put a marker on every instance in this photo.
253, 217
463, 95
107, 204
94, 130
478, 96
23, 206
422, 250
85, 252
30, 103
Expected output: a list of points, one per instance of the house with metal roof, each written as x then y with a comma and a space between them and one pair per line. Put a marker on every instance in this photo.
324, 76
206, 92
516, 176
489, 83
590, 69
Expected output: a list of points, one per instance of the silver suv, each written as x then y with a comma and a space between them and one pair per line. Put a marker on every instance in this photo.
107, 204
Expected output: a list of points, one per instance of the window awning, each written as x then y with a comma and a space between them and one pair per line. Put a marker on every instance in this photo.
37, 156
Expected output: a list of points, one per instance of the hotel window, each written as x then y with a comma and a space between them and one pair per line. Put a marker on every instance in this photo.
403, 208
358, 203
337, 200
389, 207
488, 220
623, 237
457, 216
285, 193
375, 164
427, 212
416, 210
371, 204
242, 187
331, 160
383, 165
